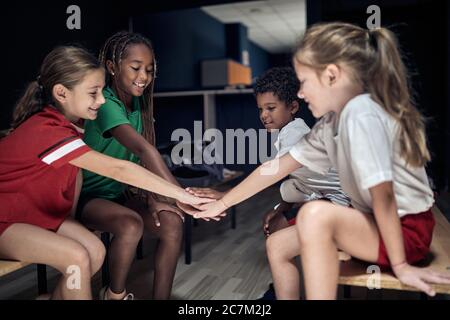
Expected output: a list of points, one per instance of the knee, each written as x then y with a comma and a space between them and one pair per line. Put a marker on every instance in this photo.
130, 226
97, 253
313, 220
77, 256
171, 226
274, 247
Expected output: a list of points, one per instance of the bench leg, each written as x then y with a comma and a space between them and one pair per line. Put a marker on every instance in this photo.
233, 217
105, 267
347, 292
42, 278
187, 239
140, 249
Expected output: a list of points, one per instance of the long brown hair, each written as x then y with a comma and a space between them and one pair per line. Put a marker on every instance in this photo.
66, 65
376, 63
114, 50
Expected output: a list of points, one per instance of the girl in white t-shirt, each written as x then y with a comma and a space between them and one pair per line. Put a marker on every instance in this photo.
355, 81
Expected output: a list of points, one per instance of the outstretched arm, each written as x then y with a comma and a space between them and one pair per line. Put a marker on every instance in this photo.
133, 174
149, 155
264, 176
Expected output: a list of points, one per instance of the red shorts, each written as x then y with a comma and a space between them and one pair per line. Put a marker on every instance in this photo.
417, 230
4, 226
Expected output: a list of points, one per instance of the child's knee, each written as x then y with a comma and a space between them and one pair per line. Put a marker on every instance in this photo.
273, 247
312, 219
131, 226
172, 225
97, 253
76, 256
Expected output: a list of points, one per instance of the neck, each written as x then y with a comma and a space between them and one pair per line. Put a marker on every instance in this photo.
356, 91
126, 98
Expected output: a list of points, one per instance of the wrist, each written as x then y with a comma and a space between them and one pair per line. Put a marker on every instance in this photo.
398, 266
182, 195
223, 203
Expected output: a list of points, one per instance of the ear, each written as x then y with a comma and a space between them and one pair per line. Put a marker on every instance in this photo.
294, 107
59, 93
332, 74
110, 67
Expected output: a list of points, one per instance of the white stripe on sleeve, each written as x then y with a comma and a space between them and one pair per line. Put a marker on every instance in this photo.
62, 151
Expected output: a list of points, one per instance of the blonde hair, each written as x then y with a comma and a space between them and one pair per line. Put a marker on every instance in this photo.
376, 64
66, 65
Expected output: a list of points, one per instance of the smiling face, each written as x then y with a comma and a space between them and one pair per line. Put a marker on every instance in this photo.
84, 99
275, 114
135, 72
328, 90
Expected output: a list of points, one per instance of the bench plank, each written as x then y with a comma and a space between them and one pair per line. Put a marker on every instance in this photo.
7, 266
353, 272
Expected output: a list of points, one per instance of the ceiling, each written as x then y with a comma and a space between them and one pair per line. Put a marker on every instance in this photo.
274, 25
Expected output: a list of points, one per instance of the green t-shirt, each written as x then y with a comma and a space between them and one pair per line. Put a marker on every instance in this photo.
96, 135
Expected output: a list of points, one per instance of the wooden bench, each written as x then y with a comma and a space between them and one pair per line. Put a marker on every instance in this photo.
354, 272
7, 266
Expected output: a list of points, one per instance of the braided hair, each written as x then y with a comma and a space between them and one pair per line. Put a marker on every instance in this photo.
114, 50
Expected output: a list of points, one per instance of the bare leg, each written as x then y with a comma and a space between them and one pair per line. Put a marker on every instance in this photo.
24, 242
170, 235
74, 230
282, 247
324, 227
127, 227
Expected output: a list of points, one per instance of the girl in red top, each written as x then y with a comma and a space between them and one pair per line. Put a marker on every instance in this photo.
40, 182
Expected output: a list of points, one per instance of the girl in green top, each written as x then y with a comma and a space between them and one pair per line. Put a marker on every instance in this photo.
124, 129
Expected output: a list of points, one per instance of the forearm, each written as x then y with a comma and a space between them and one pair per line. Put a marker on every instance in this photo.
390, 229
154, 162
137, 176
263, 177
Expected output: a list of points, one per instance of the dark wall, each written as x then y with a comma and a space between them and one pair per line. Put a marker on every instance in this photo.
189, 37
423, 30
182, 39
31, 30
259, 59
447, 54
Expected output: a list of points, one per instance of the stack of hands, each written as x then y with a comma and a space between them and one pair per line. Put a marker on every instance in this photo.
203, 203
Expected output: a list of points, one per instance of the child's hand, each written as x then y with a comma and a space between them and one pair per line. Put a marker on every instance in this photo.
266, 221
192, 210
420, 278
211, 210
205, 193
158, 206
188, 198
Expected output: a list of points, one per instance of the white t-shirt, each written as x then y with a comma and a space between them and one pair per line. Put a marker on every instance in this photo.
312, 184
362, 144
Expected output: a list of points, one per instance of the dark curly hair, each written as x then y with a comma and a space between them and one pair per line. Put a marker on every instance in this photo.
282, 82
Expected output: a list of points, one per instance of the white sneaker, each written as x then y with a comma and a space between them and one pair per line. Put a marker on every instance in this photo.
103, 292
